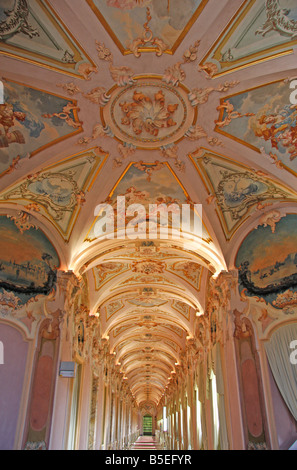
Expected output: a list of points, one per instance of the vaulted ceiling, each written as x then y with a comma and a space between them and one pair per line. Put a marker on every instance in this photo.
161, 101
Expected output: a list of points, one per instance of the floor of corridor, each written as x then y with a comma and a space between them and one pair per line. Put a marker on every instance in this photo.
145, 443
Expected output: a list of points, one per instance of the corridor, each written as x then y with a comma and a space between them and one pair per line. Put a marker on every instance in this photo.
148, 225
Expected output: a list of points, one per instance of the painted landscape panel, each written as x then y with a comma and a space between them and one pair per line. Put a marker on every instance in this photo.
267, 263
28, 268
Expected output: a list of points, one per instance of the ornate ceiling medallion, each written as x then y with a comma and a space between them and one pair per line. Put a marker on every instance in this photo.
149, 113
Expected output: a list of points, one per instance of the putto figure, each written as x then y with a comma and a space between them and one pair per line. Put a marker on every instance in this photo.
7, 120
280, 129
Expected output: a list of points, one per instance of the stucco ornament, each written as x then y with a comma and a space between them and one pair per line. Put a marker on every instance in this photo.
147, 38
148, 114
148, 267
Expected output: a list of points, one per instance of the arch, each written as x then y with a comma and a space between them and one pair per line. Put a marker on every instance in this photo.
41, 223
29, 268
251, 224
23, 330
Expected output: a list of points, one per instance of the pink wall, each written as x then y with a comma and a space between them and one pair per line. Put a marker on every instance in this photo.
11, 383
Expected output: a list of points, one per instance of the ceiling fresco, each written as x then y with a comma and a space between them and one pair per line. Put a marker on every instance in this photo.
32, 120
59, 191
147, 25
265, 119
27, 270
261, 30
156, 105
236, 189
267, 264
146, 184
105, 271
30, 30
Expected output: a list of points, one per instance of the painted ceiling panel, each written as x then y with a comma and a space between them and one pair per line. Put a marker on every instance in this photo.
236, 190
28, 268
106, 271
30, 30
59, 191
263, 118
32, 120
147, 25
266, 261
147, 184
188, 270
151, 279
261, 30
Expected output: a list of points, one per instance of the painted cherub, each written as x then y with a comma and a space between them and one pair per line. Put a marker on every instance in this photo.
7, 119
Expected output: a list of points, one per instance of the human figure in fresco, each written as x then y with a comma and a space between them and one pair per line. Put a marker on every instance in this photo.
280, 128
7, 120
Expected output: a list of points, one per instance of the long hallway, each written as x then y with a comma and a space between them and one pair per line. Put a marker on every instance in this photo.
148, 225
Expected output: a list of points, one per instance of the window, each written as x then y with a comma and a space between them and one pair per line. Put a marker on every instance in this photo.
147, 425
165, 423
198, 418
189, 425
73, 425
215, 410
